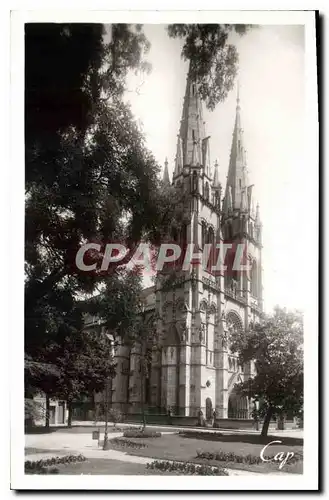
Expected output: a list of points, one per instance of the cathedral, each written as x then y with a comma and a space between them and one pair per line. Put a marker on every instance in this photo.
192, 368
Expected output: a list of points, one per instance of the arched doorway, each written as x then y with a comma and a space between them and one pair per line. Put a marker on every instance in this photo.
237, 406
209, 410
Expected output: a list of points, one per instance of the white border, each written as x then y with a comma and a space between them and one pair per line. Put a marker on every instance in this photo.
308, 480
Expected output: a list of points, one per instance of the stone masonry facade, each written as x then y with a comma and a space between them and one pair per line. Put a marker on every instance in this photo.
191, 366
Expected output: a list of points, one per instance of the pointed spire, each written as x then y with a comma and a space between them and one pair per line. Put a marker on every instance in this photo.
192, 131
229, 199
237, 178
196, 158
206, 155
257, 219
179, 157
253, 209
166, 179
243, 201
216, 183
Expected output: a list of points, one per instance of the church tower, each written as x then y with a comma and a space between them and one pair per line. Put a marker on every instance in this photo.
198, 307
241, 223
192, 306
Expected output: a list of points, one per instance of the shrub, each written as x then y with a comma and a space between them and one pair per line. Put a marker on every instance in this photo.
187, 468
115, 416
120, 429
34, 410
126, 443
201, 434
138, 433
42, 466
222, 456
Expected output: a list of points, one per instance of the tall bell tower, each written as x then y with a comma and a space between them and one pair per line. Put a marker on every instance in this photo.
241, 224
190, 306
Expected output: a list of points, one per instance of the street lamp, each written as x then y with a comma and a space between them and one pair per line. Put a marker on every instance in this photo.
107, 389
106, 415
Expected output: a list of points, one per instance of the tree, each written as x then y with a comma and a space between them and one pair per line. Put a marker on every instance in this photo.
138, 332
143, 338
213, 59
275, 346
85, 362
86, 165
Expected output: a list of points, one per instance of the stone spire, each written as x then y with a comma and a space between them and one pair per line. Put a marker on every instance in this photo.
237, 178
216, 183
192, 142
179, 157
257, 218
166, 179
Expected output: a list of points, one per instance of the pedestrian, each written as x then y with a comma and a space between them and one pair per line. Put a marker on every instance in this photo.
169, 414
214, 418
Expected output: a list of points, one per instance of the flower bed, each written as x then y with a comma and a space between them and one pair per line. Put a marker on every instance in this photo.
126, 443
222, 456
139, 433
43, 466
200, 434
187, 468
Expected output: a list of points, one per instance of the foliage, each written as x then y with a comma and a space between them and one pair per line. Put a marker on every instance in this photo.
43, 466
275, 345
86, 165
115, 416
127, 443
187, 468
33, 410
85, 361
213, 56
141, 433
222, 456
200, 435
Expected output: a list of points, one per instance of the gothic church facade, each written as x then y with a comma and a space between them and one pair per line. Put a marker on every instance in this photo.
192, 367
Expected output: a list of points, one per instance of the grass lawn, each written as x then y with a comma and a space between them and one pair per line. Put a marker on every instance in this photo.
177, 447
100, 466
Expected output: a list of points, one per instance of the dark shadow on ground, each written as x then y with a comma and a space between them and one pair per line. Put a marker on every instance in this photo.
40, 430
241, 438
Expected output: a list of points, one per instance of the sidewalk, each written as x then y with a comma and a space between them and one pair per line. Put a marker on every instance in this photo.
297, 433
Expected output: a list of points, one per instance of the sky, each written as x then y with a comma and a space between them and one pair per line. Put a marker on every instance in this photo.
271, 77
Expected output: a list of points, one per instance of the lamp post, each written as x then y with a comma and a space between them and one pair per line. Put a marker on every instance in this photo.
107, 384
106, 414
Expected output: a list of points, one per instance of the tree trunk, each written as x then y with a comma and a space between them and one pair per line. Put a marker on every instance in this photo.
47, 422
267, 421
69, 418
142, 395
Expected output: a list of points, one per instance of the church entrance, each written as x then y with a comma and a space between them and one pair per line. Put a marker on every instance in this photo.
209, 410
237, 406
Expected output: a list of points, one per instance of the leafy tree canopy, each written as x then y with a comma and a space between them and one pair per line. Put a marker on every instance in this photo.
213, 58
275, 346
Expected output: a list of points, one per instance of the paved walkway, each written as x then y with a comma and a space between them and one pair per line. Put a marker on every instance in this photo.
296, 433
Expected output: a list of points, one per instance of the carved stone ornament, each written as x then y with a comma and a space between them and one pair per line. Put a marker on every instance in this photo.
202, 332
184, 333
224, 340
